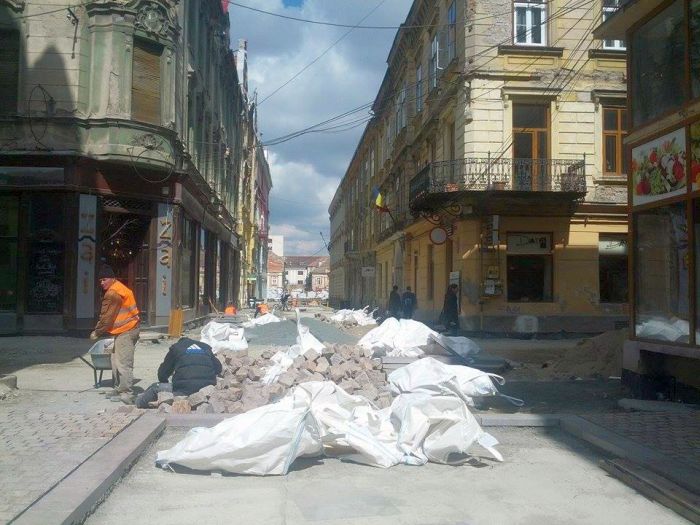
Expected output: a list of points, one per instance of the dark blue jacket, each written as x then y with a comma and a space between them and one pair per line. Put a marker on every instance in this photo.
192, 365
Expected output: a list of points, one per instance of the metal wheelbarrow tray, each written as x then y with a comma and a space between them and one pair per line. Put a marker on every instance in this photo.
100, 359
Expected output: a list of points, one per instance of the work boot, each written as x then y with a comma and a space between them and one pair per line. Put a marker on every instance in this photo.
127, 398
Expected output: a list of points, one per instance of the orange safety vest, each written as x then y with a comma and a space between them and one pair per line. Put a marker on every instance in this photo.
262, 308
230, 310
128, 316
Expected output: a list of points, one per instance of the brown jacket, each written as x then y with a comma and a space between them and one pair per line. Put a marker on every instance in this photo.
111, 303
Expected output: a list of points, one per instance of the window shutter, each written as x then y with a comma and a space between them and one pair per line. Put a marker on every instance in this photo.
9, 70
145, 83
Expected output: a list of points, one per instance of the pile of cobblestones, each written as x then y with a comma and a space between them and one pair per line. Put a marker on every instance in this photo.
241, 387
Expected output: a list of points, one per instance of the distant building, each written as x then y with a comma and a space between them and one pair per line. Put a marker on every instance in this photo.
275, 243
275, 275
299, 268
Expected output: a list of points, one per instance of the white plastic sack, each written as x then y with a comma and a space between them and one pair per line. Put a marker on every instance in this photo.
305, 339
281, 362
459, 345
430, 376
664, 329
314, 415
261, 320
398, 338
223, 336
361, 317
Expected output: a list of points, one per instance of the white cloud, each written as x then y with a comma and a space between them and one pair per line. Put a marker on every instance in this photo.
306, 171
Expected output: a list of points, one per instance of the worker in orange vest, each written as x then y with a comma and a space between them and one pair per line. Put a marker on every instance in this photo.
230, 309
119, 318
261, 309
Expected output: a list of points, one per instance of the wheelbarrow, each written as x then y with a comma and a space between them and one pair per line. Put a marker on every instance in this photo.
100, 359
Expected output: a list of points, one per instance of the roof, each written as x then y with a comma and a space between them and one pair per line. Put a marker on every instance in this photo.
306, 261
275, 263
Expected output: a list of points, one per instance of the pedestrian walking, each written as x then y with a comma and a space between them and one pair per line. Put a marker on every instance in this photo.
394, 306
449, 316
119, 317
408, 301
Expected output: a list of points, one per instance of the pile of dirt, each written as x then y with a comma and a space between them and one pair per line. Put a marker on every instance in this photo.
241, 388
592, 358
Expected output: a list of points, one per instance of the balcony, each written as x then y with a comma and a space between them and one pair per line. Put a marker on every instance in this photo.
491, 186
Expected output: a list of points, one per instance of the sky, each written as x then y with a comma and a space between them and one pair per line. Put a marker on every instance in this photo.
306, 171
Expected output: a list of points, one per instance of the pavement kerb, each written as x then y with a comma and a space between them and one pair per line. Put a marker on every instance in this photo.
71, 500
608, 441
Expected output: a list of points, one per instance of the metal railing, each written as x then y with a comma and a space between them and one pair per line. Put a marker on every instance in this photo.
486, 174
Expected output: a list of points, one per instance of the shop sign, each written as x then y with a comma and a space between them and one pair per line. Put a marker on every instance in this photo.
165, 254
438, 235
368, 271
529, 243
659, 168
85, 285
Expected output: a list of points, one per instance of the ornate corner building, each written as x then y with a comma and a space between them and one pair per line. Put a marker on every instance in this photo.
126, 136
497, 148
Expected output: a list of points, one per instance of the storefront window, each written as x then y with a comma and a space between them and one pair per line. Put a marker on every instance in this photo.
661, 274
529, 276
46, 254
658, 64
9, 208
695, 48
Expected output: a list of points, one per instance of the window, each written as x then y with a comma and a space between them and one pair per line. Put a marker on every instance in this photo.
609, 8
529, 23
9, 71
658, 56
530, 147
300, 272
419, 88
46, 254
145, 82
433, 65
9, 219
612, 268
614, 131
188, 263
451, 32
529, 262
661, 275
300, 281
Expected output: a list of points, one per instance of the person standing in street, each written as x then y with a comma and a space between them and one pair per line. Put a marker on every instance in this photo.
119, 317
394, 306
450, 308
408, 301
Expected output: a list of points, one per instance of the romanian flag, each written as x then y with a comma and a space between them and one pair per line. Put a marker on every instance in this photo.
378, 199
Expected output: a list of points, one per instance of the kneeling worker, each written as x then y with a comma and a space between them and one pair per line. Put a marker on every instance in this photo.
191, 364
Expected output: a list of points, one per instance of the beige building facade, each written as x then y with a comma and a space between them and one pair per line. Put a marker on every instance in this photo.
497, 148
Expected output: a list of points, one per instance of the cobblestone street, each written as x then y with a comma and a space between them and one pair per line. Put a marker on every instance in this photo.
39, 448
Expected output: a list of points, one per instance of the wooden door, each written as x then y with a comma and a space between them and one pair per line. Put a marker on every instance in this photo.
530, 147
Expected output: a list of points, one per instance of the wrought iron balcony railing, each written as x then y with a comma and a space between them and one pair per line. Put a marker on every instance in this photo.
485, 174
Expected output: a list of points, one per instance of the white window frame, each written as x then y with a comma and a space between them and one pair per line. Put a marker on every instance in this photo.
451, 31
530, 7
608, 11
434, 57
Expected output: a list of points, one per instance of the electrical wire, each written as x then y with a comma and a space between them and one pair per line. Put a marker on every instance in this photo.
307, 66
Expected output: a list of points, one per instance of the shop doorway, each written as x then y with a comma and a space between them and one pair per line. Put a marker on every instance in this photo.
125, 247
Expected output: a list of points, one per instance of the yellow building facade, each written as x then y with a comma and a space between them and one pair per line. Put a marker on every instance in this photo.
497, 146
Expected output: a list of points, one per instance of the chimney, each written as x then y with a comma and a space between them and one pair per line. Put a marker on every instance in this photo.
242, 63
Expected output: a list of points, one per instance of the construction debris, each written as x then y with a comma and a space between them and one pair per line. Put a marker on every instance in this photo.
351, 317
248, 383
320, 418
398, 338
223, 336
